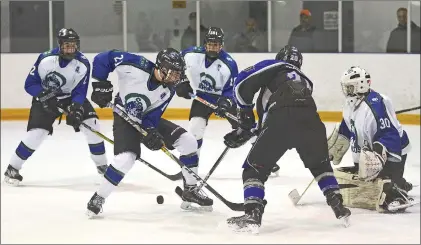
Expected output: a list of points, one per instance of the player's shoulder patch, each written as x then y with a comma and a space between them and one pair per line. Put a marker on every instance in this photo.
52, 52
145, 64
373, 98
375, 102
82, 59
194, 49
229, 61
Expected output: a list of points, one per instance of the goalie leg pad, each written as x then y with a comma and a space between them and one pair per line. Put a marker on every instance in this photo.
357, 193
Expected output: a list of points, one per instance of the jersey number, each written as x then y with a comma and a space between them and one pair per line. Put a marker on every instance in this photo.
32, 71
118, 60
384, 123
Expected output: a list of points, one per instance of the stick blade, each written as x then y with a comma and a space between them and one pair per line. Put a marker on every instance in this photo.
294, 196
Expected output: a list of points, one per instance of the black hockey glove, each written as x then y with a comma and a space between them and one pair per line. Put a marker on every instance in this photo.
154, 140
224, 105
75, 116
102, 93
48, 101
237, 138
246, 119
184, 90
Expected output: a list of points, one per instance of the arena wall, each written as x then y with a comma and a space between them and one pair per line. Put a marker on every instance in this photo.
396, 75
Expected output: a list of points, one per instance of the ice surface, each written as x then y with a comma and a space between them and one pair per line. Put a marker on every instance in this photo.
60, 178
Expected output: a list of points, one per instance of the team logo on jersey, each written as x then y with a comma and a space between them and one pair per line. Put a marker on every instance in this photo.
53, 81
208, 83
136, 103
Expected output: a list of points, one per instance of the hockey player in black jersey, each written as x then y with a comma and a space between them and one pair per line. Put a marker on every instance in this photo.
289, 120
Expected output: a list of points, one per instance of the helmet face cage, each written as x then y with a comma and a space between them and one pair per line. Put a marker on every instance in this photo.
214, 41
355, 82
69, 43
171, 65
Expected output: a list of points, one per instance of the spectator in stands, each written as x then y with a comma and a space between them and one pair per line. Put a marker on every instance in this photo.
252, 39
302, 36
397, 40
144, 34
188, 38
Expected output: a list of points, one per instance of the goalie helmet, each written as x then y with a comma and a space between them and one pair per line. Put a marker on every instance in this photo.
171, 66
68, 42
355, 83
214, 41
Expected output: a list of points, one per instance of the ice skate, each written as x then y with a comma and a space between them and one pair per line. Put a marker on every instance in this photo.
249, 222
12, 176
193, 196
95, 205
335, 201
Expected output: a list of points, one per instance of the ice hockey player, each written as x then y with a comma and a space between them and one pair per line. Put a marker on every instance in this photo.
379, 148
59, 78
145, 90
211, 71
292, 121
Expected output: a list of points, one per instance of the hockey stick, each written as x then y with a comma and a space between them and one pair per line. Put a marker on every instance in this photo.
409, 109
295, 197
178, 189
172, 177
233, 206
212, 106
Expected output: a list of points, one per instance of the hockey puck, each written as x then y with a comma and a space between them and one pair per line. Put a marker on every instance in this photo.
160, 199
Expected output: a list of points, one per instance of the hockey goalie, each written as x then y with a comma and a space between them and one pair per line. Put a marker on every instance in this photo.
379, 148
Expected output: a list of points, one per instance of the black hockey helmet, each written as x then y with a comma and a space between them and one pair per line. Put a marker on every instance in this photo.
68, 42
291, 55
214, 41
171, 65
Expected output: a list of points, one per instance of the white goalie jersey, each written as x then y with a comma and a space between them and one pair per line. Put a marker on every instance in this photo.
374, 120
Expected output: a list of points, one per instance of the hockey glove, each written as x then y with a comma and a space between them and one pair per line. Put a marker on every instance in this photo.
75, 116
184, 90
246, 119
154, 140
102, 93
237, 138
48, 101
224, 105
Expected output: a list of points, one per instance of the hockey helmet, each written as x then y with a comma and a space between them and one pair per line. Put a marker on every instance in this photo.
171, 65
291, 55
214, 41
68, 42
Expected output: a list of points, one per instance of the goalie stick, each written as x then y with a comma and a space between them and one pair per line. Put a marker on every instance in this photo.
295, 197
233, 206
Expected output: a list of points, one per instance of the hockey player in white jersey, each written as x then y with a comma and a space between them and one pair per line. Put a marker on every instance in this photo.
145, 90
379, 147
211, 72
59, 77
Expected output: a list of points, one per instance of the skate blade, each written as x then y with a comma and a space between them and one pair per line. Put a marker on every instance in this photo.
345, 221
250, 228
403, 206
294, 196
188, 206
91, 215
11, 182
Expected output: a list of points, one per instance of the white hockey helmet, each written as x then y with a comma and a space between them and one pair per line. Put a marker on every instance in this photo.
355, 82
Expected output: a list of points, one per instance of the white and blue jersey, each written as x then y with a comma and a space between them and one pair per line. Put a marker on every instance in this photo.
143, 97
50, 72
374, 120
210, 77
